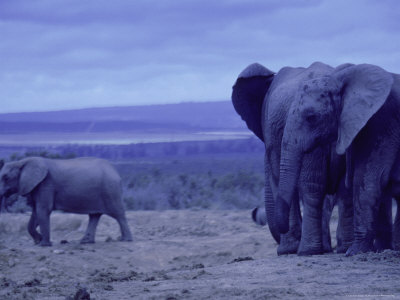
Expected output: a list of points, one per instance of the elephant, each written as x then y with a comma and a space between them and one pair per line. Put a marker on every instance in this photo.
263, 99
356, 106
80, 185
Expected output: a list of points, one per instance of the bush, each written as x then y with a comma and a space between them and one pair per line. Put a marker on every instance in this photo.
241, 190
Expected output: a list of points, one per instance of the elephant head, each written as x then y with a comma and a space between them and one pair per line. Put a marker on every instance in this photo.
248, 95
22, 176
327, 109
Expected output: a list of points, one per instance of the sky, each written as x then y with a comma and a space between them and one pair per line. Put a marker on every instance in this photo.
69, 54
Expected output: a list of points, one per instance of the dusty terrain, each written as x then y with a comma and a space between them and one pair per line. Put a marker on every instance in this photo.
189, 254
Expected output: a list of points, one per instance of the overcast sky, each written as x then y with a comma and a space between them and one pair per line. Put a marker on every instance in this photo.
58, 54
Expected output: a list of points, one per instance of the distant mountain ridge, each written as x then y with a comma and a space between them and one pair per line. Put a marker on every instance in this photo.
183, 116
126, 132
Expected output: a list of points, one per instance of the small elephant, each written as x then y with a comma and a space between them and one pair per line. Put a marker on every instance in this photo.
81, 185
264, 99
357, 106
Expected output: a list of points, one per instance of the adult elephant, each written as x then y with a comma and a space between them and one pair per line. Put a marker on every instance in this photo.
264, 99
82, 185
358, 106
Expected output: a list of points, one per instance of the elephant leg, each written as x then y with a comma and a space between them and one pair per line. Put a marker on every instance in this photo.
396, 226
345, 228
88, 238
366, 205
123, 225
329, 203
290, 241
312, 186
32, 225
311, 234
384, 228
43, 200
43, 219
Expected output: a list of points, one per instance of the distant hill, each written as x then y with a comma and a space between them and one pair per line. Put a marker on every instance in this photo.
184, 116
209, 121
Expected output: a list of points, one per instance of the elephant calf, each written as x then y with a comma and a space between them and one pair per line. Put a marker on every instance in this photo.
82, 185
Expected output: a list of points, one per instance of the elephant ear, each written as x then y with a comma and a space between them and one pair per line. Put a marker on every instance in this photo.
33, 172
365, 89
248, 95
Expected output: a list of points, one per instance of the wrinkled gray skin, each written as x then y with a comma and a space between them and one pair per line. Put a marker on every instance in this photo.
82, 185
264, 101
358, 107
344, 232
259, 217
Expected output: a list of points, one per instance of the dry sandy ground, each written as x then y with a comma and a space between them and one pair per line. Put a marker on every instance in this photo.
181, 255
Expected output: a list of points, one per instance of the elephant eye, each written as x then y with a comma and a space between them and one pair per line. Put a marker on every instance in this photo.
311, 118
5, 178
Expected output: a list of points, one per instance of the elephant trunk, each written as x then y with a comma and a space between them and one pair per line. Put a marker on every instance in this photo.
270, 214
290, 167
263, 216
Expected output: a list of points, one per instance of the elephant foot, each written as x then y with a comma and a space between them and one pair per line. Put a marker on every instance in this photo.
125, 239
288, 245
343, 245
359, 247
289, 249
37, 240
305, 250
310, 251
45, 243
87, 240
342, 248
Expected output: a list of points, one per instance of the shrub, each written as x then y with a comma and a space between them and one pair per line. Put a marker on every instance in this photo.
242, 190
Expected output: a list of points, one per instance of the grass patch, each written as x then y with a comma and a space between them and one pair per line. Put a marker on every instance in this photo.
203, 181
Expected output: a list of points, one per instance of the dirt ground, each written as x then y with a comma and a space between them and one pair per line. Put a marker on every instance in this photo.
182, 254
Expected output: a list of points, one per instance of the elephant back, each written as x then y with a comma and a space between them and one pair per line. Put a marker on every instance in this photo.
86, 185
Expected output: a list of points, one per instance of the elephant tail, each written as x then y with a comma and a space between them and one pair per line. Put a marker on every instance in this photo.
259, 216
